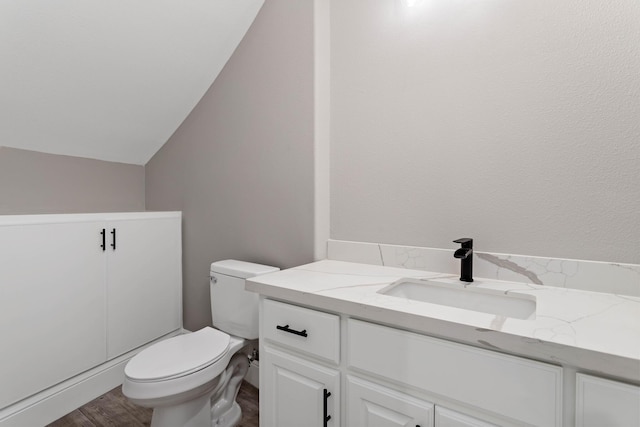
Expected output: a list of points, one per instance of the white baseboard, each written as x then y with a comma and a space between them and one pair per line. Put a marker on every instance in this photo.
48, 405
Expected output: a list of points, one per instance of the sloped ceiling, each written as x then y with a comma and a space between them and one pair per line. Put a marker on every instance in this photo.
110, 79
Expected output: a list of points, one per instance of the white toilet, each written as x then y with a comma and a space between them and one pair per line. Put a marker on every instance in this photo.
192, 380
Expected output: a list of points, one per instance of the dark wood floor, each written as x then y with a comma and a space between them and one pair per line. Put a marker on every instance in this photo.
114, 410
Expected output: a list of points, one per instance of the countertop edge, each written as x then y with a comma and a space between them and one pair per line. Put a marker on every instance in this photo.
584, 360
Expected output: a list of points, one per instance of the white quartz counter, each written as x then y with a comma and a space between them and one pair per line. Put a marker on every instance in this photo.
590, 331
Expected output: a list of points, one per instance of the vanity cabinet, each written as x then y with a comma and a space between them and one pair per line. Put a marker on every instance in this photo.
79, 290
601, 402
392, 377
299, 359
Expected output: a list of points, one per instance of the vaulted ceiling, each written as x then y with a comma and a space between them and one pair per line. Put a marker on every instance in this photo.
110, 79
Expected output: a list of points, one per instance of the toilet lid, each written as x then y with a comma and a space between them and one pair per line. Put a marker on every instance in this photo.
178, 356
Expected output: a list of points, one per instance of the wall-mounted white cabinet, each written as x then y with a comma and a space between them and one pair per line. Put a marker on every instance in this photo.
79, 290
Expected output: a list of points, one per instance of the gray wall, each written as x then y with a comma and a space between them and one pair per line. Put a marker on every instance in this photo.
240, 167
516, 123
38, 183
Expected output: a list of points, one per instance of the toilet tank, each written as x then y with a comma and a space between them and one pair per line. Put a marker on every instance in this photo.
234, 310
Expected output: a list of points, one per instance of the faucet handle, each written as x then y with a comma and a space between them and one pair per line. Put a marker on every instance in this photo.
466, 242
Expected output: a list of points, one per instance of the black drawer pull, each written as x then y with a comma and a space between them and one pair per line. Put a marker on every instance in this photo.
103, 245
326, 417
285, 328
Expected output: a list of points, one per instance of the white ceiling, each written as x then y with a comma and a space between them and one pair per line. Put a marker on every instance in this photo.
110, 79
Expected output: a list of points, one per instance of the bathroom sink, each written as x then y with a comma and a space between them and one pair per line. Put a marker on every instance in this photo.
454, 293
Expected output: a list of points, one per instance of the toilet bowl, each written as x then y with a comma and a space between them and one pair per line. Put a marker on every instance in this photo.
192, 380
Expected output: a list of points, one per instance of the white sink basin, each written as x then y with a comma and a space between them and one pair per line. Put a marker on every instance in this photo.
454, 293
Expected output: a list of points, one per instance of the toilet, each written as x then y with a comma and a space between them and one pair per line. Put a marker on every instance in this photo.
192, 380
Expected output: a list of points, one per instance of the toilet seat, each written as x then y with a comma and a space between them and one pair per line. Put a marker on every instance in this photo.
178, 356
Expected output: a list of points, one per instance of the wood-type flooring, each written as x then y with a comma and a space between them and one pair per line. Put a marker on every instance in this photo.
114, 410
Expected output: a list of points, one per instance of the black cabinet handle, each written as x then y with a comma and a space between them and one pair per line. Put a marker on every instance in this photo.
113, 239
326, 417
104, 244
286, 328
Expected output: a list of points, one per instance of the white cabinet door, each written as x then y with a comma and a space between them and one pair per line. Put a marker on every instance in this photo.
372, 405
144, 281
603, 402
448, 418
52, 305
297, 393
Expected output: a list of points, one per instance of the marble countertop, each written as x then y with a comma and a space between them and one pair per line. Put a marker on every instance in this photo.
589, 331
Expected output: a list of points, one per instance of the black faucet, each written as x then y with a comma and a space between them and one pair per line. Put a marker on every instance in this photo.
465, 253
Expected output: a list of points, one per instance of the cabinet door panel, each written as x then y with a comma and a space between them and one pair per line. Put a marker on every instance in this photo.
449, 418
294, 392
372, 405
603, 402
52, 305
523, 390
144, 282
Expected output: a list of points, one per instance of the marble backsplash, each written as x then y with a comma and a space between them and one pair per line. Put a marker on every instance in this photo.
614, 278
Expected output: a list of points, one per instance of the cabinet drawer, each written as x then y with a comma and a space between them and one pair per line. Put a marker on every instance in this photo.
520, 389
308, 331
